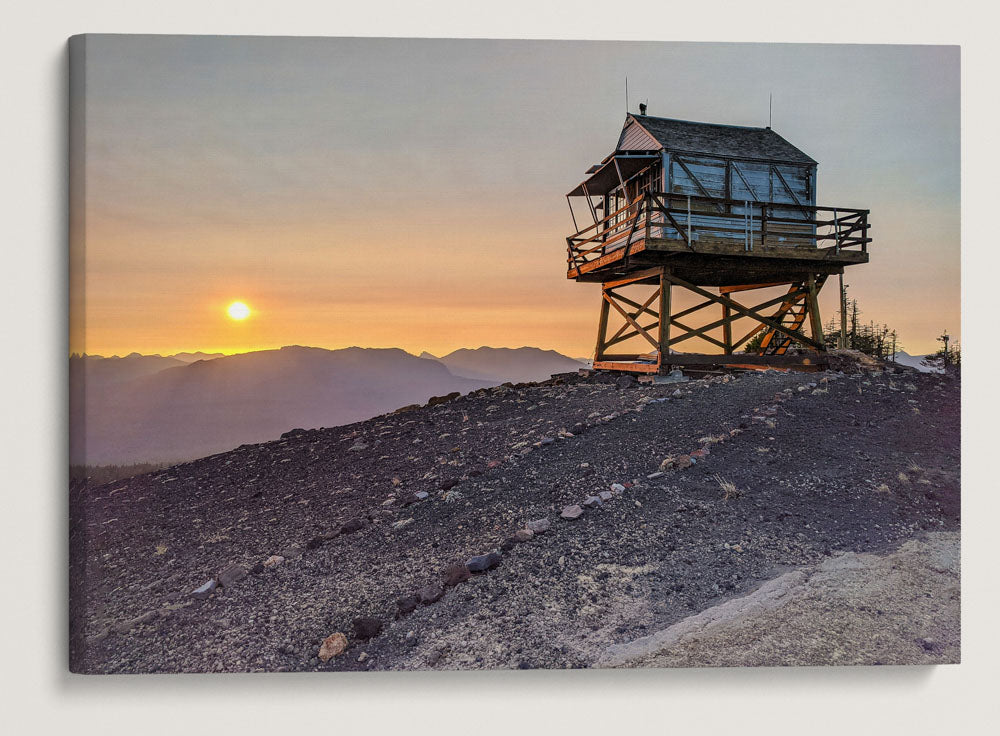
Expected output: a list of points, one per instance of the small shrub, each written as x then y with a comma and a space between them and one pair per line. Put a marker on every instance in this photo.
728, 488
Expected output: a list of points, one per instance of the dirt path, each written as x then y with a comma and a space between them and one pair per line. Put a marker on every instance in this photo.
901, 608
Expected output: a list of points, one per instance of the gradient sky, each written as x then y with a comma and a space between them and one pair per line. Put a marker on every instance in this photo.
410, 193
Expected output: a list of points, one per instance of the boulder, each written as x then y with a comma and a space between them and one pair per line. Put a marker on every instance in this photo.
572, 512
523, 535
592, 502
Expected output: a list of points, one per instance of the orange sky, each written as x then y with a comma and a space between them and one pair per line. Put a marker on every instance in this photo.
409, 193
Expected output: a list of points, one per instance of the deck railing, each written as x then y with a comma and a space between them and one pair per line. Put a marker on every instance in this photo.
744, 222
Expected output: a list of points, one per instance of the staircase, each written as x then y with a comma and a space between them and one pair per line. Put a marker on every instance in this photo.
791, 314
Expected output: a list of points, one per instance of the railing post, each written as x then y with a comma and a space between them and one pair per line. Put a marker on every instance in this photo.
646, 200
836, 232
763, 224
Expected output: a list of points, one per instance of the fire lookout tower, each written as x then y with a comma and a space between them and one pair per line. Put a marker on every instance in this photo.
699, 206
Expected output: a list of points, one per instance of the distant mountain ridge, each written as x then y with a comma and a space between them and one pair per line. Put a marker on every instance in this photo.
142, 408
519, 365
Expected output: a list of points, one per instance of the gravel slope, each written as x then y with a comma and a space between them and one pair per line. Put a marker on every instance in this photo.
823, 463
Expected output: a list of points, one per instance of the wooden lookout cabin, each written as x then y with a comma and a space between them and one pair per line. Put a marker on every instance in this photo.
721, 212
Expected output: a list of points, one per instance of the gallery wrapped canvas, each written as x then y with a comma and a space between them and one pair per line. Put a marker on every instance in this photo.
336, 402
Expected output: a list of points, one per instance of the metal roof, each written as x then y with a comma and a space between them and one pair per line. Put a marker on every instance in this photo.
731, 141
604, 176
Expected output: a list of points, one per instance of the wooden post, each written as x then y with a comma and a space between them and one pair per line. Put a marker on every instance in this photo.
815, 323
843, 313
602, 327
727, 329
663, 331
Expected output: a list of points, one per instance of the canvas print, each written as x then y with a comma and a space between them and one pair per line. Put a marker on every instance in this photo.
424, 354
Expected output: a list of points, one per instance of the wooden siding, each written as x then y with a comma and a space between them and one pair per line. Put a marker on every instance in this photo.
634, 138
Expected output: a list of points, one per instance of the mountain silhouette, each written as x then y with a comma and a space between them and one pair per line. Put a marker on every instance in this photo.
144, 408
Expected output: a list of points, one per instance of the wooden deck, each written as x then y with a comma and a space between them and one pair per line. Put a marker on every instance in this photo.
716, 262
719, 242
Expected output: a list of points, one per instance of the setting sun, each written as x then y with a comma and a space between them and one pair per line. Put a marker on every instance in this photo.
238, 311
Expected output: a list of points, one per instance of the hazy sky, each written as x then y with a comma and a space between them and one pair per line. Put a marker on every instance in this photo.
410, 193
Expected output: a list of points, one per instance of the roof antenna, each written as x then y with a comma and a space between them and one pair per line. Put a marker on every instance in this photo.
769, 96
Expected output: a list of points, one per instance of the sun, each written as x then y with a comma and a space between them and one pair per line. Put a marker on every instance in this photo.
238, 311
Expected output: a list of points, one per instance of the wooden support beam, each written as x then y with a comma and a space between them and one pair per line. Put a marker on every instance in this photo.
727, 330
602, 328
663, 331
609, 298
748, 287
689, 310
815, 324
737, 307
635, 278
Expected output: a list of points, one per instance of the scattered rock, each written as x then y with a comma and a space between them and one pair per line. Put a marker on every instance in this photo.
273, 561
357, 446
406, 604
332, 645
315, 542
205, 590
401, 523
436, 400
592, 502
523, 535
617, 488
366, 628
482, 563
508, 544
572, 512
683, 461
351, 526
455, 574
232, 574
448, 484
430, 594
654, 476
421, 495
538, 526
606, 495
290, 553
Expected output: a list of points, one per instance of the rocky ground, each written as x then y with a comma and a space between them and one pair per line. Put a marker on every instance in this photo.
696, 493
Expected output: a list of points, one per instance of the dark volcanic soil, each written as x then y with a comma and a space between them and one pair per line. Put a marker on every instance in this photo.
822, 463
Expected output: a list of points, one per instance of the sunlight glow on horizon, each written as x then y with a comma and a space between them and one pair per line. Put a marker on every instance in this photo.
276, 169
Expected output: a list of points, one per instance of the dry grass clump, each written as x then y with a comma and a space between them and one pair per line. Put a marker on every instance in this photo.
882, 488
903, 477
712, 439
728, 488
